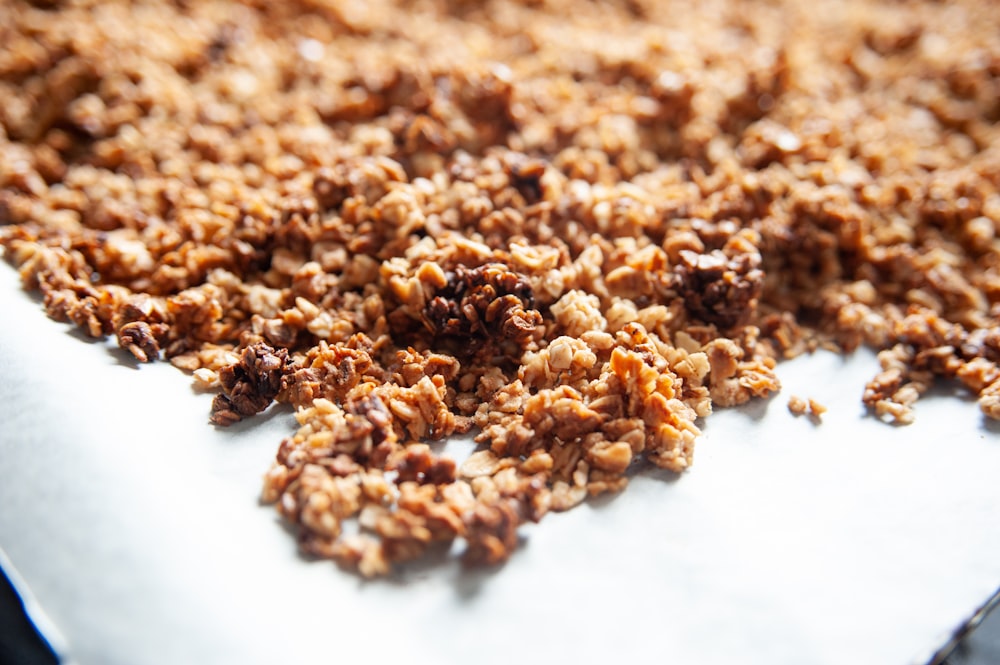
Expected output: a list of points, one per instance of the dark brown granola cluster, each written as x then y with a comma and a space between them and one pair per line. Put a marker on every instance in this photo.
570, 229
718, 289
488, 301
250, 385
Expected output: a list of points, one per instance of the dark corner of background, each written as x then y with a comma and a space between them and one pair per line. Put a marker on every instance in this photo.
20, 643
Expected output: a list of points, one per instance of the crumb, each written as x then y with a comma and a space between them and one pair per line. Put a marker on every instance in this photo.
797, 405
800, 407
816, 409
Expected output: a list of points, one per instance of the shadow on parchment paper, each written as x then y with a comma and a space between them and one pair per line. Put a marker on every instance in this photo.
273, 411
991, 426
640, 468
950, 389
755, 409
122, 356
444, 560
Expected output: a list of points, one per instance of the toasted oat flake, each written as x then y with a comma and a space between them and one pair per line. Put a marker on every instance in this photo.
816, 409
571, 230
797, 405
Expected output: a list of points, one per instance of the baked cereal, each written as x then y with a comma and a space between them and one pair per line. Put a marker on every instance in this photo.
572, 229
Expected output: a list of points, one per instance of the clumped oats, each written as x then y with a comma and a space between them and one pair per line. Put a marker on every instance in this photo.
249, 385
573, 228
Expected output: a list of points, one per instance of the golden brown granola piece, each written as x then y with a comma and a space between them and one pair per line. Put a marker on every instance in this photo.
491, 532
797, 405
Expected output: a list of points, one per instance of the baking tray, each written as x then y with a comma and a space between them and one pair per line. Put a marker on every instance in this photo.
137, 527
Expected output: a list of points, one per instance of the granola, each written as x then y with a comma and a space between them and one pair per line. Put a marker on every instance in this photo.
570, 229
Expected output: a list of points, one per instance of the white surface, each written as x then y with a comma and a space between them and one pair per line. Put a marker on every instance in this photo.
137, 526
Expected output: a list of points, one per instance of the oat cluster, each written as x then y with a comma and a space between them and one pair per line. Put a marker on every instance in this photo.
572, 228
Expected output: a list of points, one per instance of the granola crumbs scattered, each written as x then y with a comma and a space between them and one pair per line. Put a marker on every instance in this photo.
570, 229
801, 407
816, 409
797, 405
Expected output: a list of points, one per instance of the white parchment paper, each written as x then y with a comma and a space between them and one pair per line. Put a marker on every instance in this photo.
136, 525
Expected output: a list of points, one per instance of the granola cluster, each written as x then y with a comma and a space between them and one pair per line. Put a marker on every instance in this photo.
571, 229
